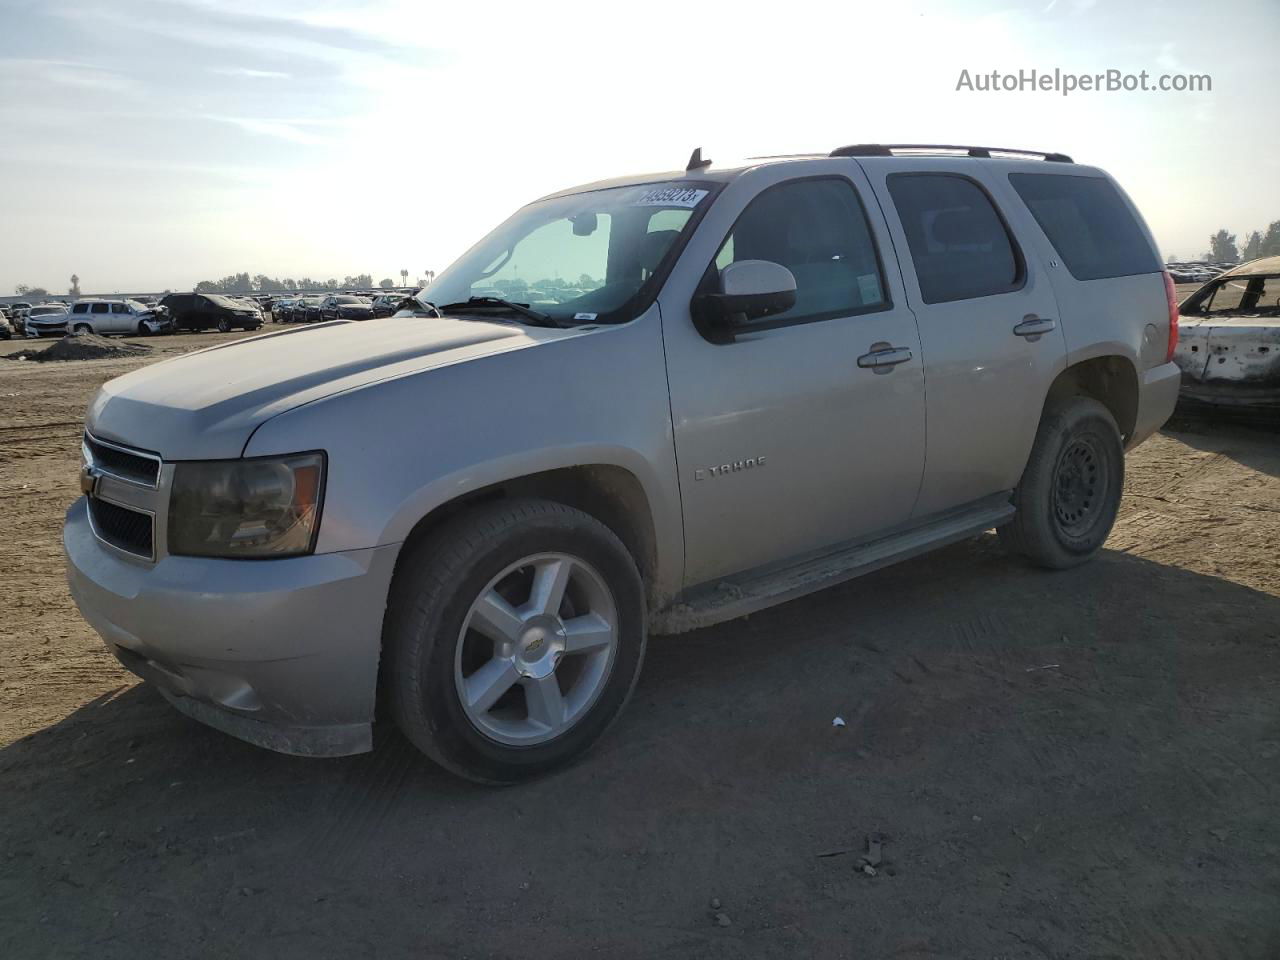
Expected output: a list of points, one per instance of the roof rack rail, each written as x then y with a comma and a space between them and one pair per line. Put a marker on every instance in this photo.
887, 150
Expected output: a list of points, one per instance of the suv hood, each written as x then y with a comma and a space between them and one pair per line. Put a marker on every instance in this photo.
206, 405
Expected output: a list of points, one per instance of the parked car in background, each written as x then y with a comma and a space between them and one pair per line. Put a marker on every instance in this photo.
345, 307
6, 328
1229, 338
735, 419
206, 311
307, 310
386, 304
107, 316
18, 310
46, 320
282, 309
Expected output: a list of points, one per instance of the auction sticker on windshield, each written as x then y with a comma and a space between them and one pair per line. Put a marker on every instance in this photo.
671, 197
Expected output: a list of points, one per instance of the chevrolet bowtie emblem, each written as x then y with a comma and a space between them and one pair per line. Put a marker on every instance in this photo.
89, 480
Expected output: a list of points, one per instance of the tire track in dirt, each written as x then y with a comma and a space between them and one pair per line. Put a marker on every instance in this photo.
1192, 470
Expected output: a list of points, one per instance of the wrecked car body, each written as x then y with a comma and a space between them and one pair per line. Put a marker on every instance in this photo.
1229, 338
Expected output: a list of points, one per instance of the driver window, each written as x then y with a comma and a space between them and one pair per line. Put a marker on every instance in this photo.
818, 230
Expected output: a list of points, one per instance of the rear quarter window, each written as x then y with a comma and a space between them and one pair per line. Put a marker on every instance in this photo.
1089, 224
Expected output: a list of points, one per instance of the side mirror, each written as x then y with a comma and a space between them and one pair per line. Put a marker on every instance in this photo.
749, 290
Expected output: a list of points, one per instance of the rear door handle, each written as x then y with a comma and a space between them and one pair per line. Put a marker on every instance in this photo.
884, 356
1033, 326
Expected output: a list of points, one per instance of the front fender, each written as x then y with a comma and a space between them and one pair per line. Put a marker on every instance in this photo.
399, 449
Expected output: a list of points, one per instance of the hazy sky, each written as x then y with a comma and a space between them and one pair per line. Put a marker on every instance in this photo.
147, 144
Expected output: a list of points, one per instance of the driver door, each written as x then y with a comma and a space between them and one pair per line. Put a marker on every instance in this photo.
788, 439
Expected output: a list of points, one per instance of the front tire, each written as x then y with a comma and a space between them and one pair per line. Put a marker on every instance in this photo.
1070, 490
513, 639
224, 326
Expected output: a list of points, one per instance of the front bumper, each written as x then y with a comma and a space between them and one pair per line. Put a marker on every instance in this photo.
281, 653
46, 330
1157, 396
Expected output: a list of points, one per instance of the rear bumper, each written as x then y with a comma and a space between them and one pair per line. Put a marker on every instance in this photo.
281, 653
1157, 396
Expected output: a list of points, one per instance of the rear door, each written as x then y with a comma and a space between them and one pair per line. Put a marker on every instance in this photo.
100, 317
988, 324
786, 439
122, 319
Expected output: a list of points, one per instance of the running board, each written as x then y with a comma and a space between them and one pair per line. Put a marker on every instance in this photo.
744, 593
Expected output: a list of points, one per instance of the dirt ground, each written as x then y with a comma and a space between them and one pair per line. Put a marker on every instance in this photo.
1080, 764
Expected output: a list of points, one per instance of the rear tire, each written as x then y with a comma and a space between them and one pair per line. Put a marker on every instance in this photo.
575, 658
1070, 490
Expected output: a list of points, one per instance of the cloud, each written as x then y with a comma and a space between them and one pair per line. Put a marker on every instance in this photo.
279, 129
251, 72
216, 26
68, 73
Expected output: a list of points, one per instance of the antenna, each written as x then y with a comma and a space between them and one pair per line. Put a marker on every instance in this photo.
696, 162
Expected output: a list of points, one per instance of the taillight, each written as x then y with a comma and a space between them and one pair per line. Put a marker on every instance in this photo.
1173, 315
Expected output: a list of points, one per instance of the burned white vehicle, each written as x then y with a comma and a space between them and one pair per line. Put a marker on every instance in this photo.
1229, 338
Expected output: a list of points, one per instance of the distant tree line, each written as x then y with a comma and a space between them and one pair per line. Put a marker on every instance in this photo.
261, 283
1223, 247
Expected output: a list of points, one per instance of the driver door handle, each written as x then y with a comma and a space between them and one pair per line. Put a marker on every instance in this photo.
1033, 326
884, 356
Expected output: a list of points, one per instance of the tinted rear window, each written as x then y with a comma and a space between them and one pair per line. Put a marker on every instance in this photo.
959, 243
1088, 223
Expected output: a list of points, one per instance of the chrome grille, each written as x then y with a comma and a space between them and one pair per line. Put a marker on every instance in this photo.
135, 466
125, 529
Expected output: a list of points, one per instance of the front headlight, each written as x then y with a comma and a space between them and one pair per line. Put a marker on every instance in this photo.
267, 507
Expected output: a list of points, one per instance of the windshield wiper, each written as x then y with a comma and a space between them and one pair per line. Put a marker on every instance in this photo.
537, 318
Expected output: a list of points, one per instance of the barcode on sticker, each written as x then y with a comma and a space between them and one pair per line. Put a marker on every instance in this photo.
671, 197
584, 316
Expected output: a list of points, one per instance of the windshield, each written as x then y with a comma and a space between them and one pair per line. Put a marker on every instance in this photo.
357, 300
586, 257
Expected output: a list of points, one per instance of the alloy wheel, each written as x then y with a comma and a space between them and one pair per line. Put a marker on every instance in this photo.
535, 649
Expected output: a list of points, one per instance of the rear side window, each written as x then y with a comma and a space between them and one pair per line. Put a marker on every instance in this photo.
818, 230
959, 244
1088, 223
101, 308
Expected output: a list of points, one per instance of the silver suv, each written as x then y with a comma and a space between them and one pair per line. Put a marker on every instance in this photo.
639, 406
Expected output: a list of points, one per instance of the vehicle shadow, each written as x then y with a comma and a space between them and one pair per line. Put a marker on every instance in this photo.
999, 723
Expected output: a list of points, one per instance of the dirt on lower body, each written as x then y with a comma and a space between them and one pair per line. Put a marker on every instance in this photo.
1045, 765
